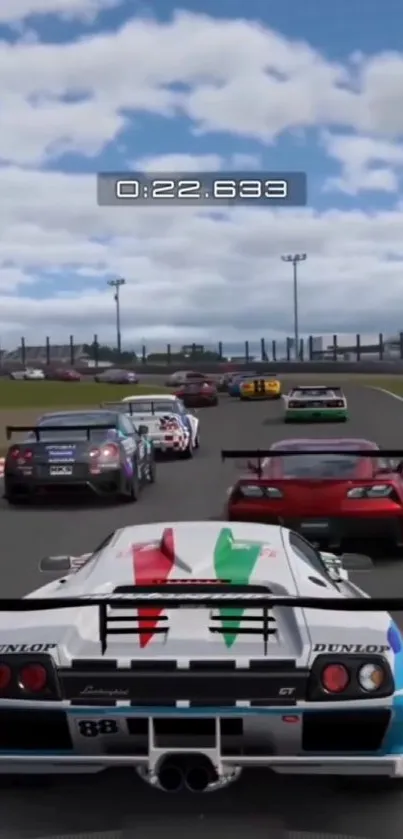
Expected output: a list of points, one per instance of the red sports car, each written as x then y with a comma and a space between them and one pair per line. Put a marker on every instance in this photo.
64, 374
328, 490
198, 394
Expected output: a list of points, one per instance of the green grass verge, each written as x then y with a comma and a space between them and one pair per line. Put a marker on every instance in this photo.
392, 383
66, 394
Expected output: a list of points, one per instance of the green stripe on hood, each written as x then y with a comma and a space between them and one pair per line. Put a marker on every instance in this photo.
233, 561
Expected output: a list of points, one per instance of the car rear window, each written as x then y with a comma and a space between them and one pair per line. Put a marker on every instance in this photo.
66, 421
319, 466
155, 407
314, 392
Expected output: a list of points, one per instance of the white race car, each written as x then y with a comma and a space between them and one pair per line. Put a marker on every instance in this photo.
28, 374
193, 650
170, 426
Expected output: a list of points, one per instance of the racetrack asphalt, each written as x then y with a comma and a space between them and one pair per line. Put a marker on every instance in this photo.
261, 802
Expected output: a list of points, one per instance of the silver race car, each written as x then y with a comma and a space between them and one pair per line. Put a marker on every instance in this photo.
171, 427
29, 374
193, 650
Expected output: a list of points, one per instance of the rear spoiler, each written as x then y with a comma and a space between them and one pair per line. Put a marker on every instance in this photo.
264, 454
126, 407
121, 407
37, 430
194, 596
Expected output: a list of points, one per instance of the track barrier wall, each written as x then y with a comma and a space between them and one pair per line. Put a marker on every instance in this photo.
336, 358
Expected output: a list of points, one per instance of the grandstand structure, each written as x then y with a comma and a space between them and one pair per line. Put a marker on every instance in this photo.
55, 354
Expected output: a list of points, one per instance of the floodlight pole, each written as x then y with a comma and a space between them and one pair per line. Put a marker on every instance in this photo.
116, 285
295, 259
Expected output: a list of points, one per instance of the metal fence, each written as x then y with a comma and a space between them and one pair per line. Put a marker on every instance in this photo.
74, 354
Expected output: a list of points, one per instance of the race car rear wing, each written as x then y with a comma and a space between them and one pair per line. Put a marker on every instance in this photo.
188, 595
37, 430
261, 455
127, 407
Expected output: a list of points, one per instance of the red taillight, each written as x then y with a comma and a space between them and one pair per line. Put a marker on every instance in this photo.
21, 454
5, 676
33, 678
335, 678
94, 453
110, 451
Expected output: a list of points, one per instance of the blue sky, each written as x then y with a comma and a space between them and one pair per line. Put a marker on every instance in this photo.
98, 85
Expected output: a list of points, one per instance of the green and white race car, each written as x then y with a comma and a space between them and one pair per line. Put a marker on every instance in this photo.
316, 403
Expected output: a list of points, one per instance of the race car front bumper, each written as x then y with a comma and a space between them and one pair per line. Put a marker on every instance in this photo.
316, 415
286, 740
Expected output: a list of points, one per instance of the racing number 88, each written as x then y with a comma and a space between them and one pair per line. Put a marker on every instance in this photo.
95, 728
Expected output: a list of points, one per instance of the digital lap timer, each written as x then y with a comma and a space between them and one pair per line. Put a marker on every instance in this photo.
211, 189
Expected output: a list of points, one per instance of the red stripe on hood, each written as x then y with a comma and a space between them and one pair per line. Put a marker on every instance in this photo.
152, 563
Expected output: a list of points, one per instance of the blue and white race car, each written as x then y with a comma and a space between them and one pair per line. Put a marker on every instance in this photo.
171, 428
98, 451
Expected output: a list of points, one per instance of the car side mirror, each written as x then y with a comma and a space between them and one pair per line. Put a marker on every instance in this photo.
143, 430
356, 562
55, 564
339, 567
63, 564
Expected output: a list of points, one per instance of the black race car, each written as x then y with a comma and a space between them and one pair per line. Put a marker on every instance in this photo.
99, 452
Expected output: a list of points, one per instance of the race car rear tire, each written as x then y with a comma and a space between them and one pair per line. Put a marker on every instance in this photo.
187, 454
16, 500
134, 492
151, 471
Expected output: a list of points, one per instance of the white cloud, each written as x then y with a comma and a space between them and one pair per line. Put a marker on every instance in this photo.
87, 10
178, 163
212, 276
363, 162
234, 75
195, 163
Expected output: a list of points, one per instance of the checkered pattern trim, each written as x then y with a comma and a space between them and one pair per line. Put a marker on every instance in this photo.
177, 441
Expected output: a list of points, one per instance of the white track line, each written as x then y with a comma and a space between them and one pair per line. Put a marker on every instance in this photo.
388, 393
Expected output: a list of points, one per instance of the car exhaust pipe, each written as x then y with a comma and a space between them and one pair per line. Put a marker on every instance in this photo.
170, 777
198, 777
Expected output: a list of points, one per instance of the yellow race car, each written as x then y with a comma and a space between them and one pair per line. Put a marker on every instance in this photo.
260, 387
